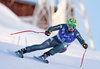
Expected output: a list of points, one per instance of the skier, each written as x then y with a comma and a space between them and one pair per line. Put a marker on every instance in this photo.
59, 43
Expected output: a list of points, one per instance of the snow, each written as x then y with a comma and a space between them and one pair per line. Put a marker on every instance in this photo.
71, 59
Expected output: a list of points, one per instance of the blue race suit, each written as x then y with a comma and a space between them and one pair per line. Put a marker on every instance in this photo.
66, 37
59, 42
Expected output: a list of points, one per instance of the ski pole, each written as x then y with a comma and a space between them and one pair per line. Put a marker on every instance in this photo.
83, 58
26, 31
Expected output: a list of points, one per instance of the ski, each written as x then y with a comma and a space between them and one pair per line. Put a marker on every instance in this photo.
19, 55
41, 60
14, 53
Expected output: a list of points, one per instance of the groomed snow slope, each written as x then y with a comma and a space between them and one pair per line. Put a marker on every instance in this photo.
10, 23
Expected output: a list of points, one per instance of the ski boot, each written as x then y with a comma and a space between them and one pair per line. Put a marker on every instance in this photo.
43, 57
20, 53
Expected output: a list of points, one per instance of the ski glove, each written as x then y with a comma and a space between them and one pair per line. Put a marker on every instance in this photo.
48, 32
85, 46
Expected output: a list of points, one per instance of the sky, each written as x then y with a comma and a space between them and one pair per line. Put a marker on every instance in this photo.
93, 14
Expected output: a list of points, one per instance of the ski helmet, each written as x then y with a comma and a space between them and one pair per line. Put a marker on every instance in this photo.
72, 22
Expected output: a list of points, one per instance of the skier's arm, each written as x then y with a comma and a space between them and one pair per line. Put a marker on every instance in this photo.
53, 28
80, 39
57, 27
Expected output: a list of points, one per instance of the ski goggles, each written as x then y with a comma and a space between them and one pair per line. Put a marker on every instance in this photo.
71, 27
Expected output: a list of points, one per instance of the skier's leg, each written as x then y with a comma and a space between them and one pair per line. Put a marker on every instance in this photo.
57, 49
47, 44
28, 49
35, 47
42, 46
